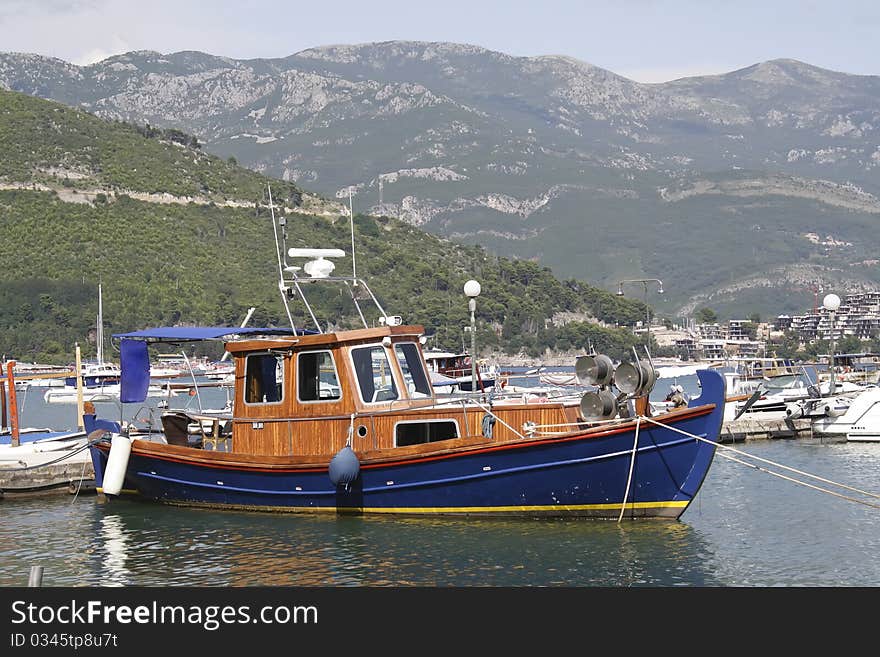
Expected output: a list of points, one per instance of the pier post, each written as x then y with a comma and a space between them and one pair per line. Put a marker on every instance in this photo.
2, 404
13, 405
36, 576
79, 388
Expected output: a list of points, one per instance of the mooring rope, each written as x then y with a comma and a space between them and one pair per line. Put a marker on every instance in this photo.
82, 475
779, 465
632, 462
804, 483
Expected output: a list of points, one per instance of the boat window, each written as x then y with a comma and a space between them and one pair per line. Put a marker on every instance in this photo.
316, 377
373, 370
264, 379
413, 370
417, 433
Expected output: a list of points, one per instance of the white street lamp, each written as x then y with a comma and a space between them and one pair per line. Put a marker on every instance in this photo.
831, 303
472, 291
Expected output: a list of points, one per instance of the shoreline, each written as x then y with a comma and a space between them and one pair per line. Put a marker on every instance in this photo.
569, 359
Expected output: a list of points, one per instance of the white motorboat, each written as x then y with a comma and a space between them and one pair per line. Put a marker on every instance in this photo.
102, 393
858, 421
43, 460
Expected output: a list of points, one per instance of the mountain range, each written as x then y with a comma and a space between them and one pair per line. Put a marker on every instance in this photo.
744, 192
178, 237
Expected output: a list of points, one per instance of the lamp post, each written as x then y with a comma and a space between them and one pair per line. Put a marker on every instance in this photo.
643, 281
472, 291
831, 303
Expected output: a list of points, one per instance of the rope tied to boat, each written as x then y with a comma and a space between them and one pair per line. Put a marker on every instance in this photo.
492, 414
345, 466
488, 424
533, 428
778, 465
350, 436
632, 463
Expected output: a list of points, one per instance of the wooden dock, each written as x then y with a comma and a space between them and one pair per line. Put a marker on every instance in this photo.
746, 428
70, 478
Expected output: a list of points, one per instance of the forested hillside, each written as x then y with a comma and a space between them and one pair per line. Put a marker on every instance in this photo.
176, 236
741, 191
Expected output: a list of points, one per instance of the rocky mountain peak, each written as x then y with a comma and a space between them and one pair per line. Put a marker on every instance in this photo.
524, 153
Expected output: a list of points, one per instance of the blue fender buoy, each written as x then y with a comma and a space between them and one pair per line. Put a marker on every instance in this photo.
344, 467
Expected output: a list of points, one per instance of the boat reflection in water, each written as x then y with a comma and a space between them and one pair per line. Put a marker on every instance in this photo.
213, 548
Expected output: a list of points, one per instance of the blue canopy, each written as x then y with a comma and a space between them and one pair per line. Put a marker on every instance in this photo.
195, 333
134, 361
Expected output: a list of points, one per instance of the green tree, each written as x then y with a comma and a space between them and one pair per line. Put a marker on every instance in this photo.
706, 316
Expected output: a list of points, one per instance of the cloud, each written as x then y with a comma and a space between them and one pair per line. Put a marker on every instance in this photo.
27, 8
653, 75
116, 46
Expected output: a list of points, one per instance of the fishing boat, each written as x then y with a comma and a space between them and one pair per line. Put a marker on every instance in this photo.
453, 369
349, 422
746, 374
104, 392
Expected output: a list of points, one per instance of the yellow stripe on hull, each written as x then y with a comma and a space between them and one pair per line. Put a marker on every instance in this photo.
612, 507
630, 506
124, 491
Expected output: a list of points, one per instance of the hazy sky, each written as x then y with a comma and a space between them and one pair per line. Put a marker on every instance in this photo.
646, 40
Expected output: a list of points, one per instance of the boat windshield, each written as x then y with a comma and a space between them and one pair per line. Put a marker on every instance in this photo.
373, 370
413, 369
264, 378
317, 379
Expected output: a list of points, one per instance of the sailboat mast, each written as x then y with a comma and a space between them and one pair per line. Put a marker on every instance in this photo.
100, 336
351, 223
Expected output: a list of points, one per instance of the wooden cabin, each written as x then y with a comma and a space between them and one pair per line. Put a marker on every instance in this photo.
300, 395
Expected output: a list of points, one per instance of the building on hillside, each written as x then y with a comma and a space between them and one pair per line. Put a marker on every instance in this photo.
712, 348
857, 316
710, 331
782, 323
678, 338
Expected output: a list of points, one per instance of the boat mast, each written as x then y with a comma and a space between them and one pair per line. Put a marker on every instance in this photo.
100, 323
354, 273
284, 285
281, 286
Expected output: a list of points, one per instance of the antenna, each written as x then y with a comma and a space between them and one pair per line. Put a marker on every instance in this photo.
351, 221
281, 285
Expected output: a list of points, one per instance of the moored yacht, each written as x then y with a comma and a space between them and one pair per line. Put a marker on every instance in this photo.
349, 422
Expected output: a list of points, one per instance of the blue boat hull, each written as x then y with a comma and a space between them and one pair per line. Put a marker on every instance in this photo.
582, 475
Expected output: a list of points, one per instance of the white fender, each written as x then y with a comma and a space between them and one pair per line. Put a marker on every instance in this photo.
117, 464
831, 411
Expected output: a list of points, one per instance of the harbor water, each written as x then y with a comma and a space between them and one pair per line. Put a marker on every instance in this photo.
746, 528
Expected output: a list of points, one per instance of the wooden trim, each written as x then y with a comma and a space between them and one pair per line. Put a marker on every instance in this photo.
384, 457
334, 339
